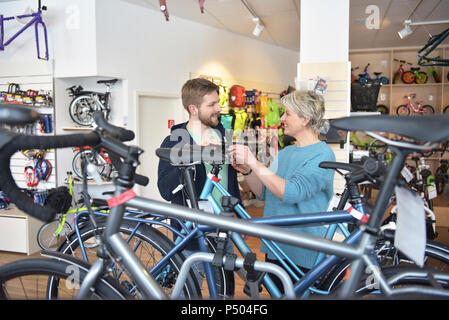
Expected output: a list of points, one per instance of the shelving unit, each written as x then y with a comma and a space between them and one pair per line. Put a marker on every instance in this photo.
392, 95
18, 230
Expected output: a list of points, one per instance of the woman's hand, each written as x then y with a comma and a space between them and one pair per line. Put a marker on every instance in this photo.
242, 158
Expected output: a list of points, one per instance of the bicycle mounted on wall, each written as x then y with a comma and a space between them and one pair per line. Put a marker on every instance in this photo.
85, 103
36, 19
433, 42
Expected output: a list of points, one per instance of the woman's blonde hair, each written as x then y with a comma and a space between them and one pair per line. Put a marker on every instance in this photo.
306, 104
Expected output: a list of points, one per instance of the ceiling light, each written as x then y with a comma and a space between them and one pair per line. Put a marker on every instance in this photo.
258, 29
406, 31
259, 24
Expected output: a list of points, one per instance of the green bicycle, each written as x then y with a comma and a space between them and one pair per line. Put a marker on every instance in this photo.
52, 234
423, 76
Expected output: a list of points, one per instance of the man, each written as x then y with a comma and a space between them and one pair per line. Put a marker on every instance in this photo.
200, 99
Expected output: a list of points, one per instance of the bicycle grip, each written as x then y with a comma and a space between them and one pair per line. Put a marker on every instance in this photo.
119, 133
23, 142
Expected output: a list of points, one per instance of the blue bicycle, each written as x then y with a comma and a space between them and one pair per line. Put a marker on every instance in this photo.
147, 241
365, 77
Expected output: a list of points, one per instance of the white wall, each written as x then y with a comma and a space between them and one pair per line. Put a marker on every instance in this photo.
324, 31
136, 43
93, 39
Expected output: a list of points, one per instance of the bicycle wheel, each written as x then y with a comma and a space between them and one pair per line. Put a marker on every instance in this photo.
396, 77
421, 77
402, 110
446, 109
436, 77
92, 157
436, 256
46, 237
382, 109
384, 80
427, 109
369, 288
148, 244
363, 80
30, 279
439, 180
408, 77
81, 109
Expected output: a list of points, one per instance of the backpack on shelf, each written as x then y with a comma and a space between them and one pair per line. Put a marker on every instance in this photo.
237, 96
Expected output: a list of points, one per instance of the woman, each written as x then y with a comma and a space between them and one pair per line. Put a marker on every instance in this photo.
294, 183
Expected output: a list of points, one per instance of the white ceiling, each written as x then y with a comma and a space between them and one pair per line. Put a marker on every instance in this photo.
281, 19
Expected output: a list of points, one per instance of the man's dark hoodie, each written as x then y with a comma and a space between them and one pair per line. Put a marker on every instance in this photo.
169, 177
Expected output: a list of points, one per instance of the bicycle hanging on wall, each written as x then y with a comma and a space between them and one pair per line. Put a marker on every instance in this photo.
36, 20
85, 103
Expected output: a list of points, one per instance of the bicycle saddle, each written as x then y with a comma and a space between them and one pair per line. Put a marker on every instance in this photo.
433, 128
377, 73
108, 81
191, 154
339, 165
17, 115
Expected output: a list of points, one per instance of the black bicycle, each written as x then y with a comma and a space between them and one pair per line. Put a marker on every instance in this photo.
85, 103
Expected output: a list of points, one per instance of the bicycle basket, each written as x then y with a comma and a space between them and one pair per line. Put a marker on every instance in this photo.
364, 98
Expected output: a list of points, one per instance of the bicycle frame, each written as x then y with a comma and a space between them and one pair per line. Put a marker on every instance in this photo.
190, 232
412, 106
36, 20
360, 253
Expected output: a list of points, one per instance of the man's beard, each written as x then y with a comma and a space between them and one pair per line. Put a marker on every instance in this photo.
207, 121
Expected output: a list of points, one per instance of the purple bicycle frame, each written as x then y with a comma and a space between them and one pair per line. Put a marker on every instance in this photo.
37, 20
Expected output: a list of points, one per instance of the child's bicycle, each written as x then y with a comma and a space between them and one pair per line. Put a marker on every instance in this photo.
422, 77
366, 78
400, 72
417, 107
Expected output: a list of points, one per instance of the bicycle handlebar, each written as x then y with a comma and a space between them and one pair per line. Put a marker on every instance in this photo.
22, 142
106, 135
116, 132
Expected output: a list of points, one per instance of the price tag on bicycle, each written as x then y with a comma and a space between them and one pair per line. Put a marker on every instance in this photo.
410, 236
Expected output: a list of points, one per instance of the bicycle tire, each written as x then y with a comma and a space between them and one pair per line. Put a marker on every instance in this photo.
383, 109
427, 109
408, 77
436, 77
396, 77
22, 274
446, 109
81, 109
367, 287
46, 238
403, 110
439, 179
421, 77
384, 80
149, 242
92, 157
436, 253
226, 283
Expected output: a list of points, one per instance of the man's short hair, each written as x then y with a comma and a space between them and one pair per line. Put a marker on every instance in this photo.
194, 90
